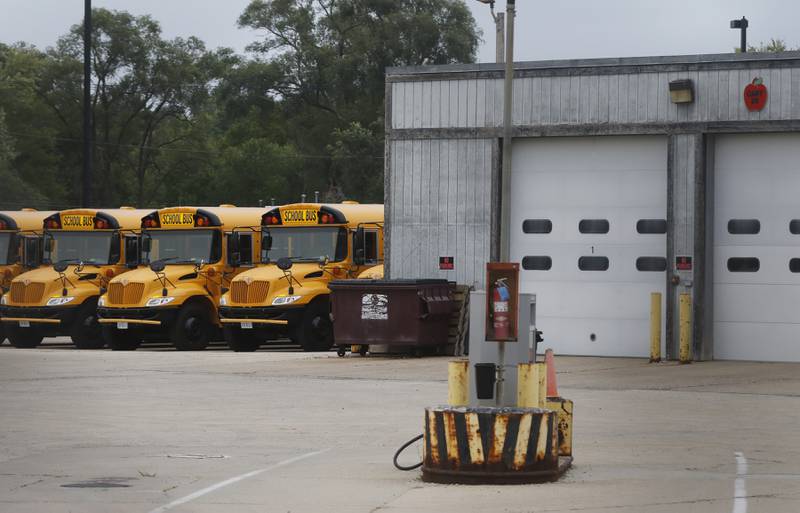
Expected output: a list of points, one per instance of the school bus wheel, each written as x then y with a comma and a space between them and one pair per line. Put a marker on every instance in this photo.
24, 338
242, 341
315, 333
85, 331
121, 340
193, 329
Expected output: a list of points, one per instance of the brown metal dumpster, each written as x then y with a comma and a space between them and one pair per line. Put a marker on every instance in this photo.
409, 313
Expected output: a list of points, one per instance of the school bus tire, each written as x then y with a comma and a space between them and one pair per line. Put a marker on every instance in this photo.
121, 340
86, 332
242, 341
193, 328
24, 338
315, 332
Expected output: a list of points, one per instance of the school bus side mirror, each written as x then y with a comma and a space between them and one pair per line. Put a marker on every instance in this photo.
31, 252
147, 244
49, 244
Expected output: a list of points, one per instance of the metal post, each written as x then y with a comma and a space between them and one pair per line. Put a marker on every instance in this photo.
508, 99
500, 36
655, 327
86, 178
458, 383
501, 372
685, 322
316, 196
744, 34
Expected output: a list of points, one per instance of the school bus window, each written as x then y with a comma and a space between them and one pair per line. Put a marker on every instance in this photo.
246, 249
370, 247
308, 243
89, 248
185, 246
6, 252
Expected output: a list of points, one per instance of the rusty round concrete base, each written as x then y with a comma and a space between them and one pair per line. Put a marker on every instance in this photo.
491, 445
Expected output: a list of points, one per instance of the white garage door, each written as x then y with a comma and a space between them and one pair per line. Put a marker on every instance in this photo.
757, 247
589, 228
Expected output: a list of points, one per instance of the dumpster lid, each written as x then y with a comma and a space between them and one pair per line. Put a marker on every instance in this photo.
361, 283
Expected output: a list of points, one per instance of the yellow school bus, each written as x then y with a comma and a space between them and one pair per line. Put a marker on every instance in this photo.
20, 246
83, 250
304, 247
188, 259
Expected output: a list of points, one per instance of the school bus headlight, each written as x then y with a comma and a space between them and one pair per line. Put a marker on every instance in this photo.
223, 301
4, 300
60, 300
101, 301
159, 301
284, 300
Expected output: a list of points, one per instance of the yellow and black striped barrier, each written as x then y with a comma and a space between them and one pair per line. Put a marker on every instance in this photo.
491, 445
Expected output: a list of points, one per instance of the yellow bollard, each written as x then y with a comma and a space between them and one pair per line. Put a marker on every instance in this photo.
457, 383
655, 327
685, 321
528, 385
542, 384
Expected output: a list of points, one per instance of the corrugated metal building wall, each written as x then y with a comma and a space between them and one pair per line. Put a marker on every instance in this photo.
444, 139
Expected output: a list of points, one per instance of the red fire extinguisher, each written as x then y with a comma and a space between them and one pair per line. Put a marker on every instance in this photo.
501, 320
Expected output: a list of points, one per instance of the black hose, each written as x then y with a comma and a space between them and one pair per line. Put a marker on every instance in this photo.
403, 448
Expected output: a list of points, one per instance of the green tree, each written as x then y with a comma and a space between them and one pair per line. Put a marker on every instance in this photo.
774, 45
332, 55
16, 192
146, 92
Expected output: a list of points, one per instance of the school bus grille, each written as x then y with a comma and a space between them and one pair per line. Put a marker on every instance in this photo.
30, 293
130, 294
255, 292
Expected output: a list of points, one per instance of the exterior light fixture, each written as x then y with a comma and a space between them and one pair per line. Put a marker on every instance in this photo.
741, 25
681, 91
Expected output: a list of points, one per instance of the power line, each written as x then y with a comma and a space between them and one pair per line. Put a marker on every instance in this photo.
185, 150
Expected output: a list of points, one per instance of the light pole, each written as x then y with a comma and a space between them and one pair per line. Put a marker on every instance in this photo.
86, 177
508, 134
741, 25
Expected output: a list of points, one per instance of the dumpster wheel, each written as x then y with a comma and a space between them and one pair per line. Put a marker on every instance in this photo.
341, 351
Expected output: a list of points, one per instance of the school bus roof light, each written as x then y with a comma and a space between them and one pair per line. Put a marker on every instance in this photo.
270, 219
3, 225
326, 219
101, 224
150, 221
52, 223
201, 220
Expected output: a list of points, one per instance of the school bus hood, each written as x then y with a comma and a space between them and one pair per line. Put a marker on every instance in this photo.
35, 287
135, 287
260, 285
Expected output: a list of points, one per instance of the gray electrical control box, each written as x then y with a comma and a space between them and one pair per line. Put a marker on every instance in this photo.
512, 353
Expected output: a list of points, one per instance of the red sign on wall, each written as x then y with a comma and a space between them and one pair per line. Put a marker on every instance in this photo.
755, 95
446, 263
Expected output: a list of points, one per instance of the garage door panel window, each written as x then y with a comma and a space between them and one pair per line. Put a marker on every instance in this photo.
593, 263
794, 226
594, 226
744, 226
651, 264
794, 265
743, 265
537, 263
537, 226
647, 226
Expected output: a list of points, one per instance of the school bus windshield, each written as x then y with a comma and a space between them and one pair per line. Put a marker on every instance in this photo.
184, 246
310, 244
89, 248
5, 248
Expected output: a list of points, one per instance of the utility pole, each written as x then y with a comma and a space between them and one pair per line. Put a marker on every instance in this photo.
86, 177
508, 102
500, 31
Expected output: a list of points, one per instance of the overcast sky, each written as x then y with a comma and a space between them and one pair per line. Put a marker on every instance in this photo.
545, 29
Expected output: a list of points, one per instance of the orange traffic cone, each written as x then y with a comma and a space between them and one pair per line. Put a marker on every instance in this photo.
552, 387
